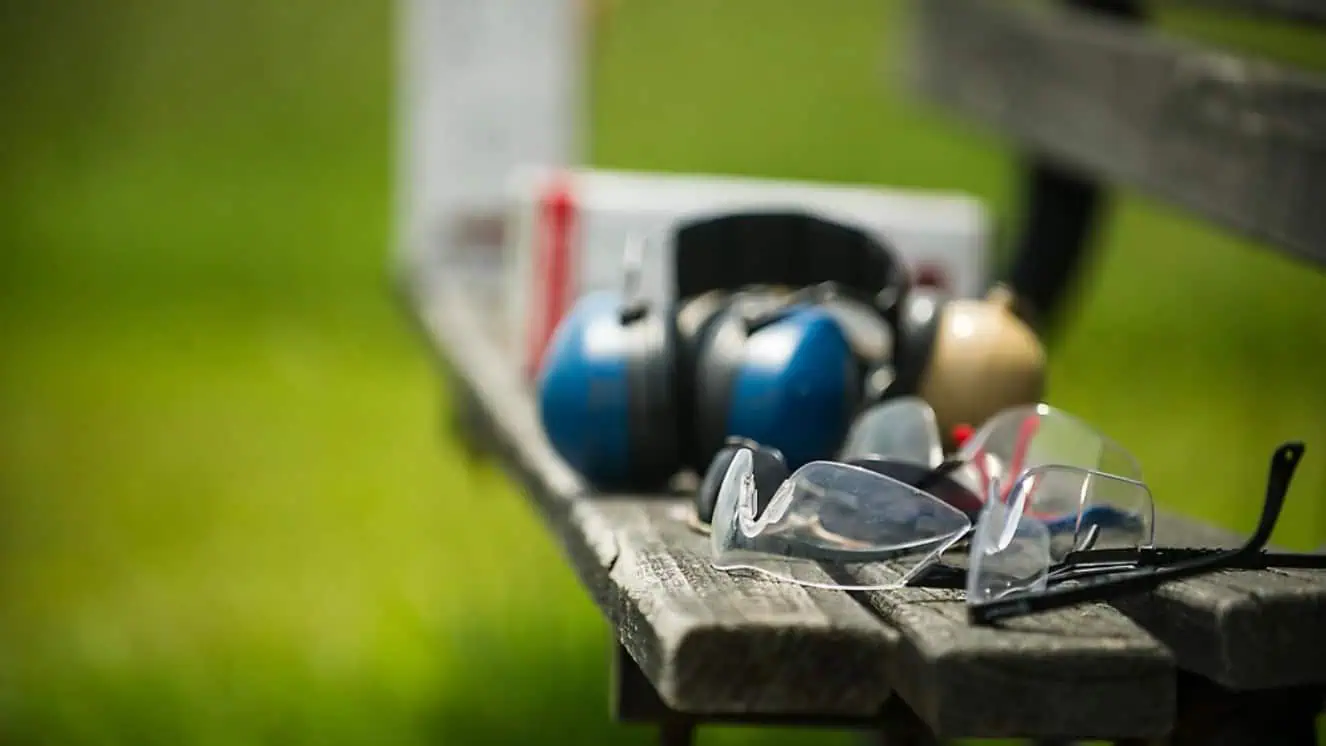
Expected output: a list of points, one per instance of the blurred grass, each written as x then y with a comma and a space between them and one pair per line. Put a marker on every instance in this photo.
228, 514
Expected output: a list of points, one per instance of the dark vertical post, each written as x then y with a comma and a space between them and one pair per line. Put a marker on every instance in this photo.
676, 732
634, 700
1059, 217
1061, 209
901, 726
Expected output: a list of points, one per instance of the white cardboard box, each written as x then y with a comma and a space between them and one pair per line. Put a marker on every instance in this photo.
566, 230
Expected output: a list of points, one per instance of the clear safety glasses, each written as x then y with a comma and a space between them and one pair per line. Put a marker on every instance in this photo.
830, 517
1062, 517
1014, 568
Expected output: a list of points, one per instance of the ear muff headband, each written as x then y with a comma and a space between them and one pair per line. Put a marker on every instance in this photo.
790, 249
583, 391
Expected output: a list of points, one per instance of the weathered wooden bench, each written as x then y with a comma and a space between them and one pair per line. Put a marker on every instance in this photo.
1218, 659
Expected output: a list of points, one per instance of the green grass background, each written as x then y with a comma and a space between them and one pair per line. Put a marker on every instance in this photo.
227, 511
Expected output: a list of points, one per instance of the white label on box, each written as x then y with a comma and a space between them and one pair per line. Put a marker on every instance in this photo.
569, 229
485, 87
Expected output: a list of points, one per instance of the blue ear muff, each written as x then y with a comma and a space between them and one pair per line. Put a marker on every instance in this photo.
583, 391
609, 393
796, 387
791, 384
606, 393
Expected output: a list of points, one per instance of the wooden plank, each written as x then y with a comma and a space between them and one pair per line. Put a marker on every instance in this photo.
1061, 674
1238, 141
710, 642
1242, 629
715, 642
1302, 11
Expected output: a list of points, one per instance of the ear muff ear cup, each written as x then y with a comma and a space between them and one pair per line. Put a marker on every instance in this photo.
793, 384
872, 337
866, 330
583, 391
770, 473
606, 393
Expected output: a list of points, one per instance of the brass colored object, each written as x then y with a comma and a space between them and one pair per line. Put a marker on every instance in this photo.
986, 358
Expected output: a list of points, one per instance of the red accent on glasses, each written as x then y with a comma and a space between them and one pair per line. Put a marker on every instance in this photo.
962, 433
1026, 431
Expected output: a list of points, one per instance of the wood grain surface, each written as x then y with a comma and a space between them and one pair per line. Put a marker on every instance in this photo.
1302, 11
1238, 141
1082, 665
1244, 629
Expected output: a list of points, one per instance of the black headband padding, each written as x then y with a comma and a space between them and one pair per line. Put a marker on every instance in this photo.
915, 340
793, 249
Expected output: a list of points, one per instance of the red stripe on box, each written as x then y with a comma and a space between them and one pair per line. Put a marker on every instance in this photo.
931, 274
553, 276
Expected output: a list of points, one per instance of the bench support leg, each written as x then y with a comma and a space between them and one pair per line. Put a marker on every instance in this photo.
676, 731
1210, 714
899, 726
634, 700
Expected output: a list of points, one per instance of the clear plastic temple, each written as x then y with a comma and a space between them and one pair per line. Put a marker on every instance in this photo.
902, 429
